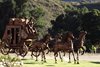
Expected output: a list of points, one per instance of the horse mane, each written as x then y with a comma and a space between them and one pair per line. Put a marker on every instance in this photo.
82, 35
66, 36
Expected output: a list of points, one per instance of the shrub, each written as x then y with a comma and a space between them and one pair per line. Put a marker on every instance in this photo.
8, 61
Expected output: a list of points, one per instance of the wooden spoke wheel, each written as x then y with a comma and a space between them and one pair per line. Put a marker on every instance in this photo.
4, 49
17, 51
22, 51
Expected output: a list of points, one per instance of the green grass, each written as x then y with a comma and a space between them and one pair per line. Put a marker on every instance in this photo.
50, 63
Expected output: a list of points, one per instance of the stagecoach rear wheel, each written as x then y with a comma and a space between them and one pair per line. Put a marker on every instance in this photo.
4, 49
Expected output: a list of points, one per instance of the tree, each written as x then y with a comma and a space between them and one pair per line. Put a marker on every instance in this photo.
91, 23
76, 20
69, 21
38, 12
6, 11
41, 26
84, 10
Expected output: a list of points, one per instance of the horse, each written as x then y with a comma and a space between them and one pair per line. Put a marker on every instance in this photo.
79, 43
65, 45
53, 41
40, 46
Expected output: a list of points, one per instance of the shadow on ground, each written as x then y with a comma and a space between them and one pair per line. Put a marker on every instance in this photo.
24, 59
29, 61
50, 65
95, 62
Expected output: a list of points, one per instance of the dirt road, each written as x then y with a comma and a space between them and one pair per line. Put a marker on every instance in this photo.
86, 56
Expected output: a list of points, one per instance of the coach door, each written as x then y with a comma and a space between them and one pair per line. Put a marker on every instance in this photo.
13, 34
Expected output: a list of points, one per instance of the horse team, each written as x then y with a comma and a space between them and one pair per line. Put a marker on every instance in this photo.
61, 43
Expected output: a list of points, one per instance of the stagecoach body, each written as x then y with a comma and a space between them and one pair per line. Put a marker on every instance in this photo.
14, 37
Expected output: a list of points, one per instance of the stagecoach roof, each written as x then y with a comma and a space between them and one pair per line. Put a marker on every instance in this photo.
18, 21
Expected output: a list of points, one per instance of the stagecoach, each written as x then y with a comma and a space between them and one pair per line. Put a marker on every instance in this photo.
15, 35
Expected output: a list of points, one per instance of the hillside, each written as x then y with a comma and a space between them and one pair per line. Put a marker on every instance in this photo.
52, 8
82, 0
90, 6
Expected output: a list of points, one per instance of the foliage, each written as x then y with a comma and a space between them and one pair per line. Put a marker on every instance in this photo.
38, 12
84, 10
70, 21
91, 23
8, 61
41, 27
75, 20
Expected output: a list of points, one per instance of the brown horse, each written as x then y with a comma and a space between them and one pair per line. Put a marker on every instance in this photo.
79, 43
40, 46
53, 41
66, 45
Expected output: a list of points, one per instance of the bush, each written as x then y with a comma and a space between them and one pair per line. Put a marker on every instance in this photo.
8, 61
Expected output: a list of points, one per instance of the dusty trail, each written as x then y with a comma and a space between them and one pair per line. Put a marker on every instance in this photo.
86, 56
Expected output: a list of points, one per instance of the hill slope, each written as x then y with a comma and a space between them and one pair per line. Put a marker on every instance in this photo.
52, 8
82, 0
90, 6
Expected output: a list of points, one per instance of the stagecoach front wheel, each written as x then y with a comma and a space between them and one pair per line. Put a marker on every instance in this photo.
22, 51
17, 51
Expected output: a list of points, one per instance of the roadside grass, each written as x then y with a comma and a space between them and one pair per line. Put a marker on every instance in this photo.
50, 63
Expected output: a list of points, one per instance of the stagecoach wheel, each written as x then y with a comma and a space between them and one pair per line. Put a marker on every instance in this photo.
24, 51
4, 49
17, 51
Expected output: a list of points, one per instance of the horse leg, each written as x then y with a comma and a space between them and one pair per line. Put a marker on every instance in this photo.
48, 51
60, 57
55, 55
36, 57
77, 56
44, 56
37, 54
32, 54
64, 53
69, 58
74, 56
